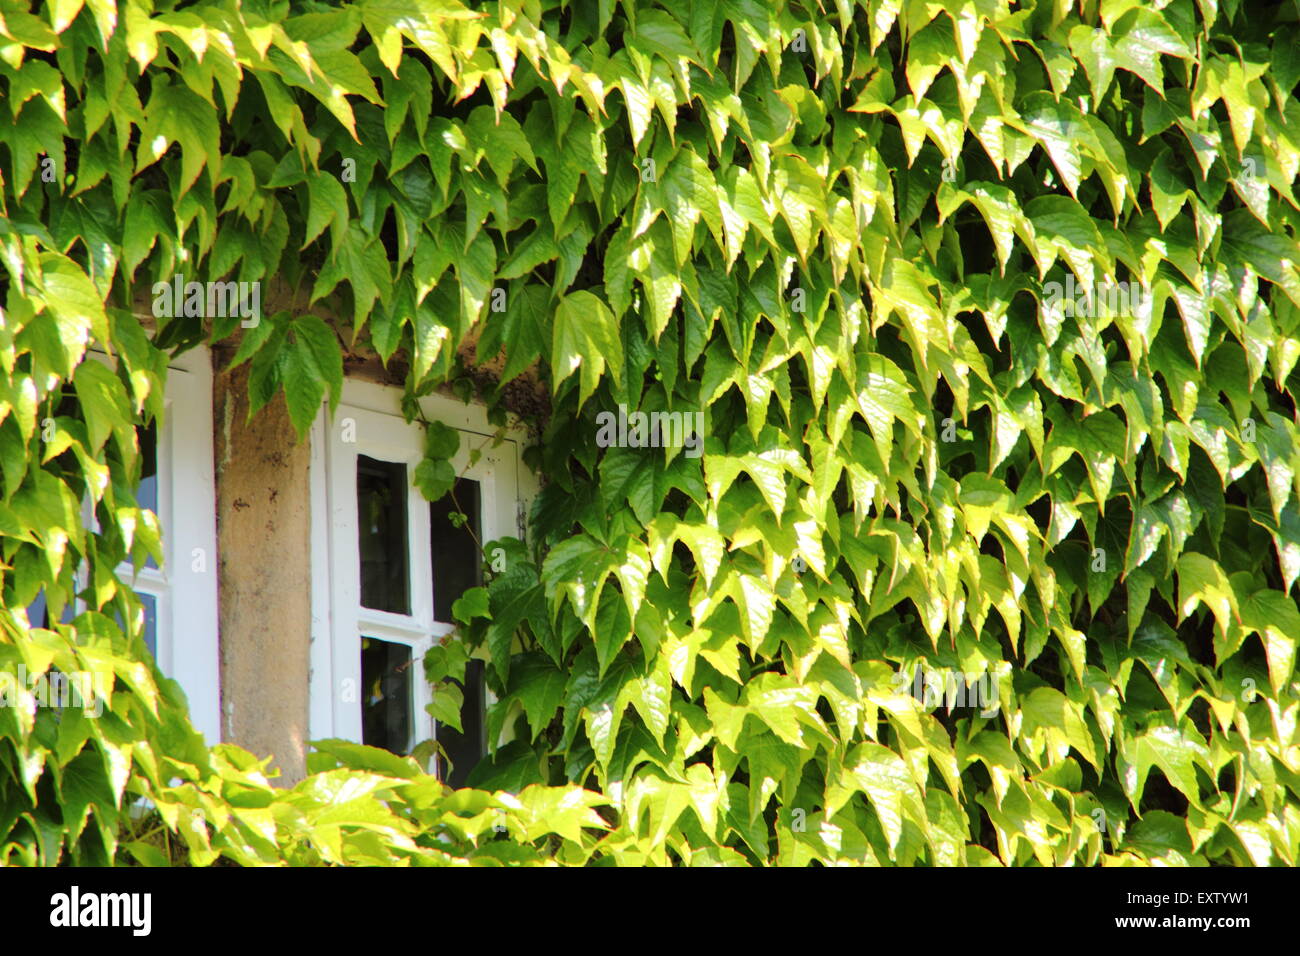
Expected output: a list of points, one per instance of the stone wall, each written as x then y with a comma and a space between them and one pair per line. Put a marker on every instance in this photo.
264, 542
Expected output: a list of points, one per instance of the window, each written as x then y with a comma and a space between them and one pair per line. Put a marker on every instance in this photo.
180, 598
149, 583
388, 566
178, 484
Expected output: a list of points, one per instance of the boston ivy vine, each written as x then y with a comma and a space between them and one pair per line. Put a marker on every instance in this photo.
989, 313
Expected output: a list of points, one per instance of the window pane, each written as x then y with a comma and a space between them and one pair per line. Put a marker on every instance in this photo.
150, 621
386, 706
150, 605
381, 524
38, 614
465, 749
147, 496
457, 566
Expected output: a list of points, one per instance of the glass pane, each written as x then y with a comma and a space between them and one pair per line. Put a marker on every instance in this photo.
150, 621
457, 566
386, 707
381, 532
38, 612
465, 749
147, 496
150, 605
38, 615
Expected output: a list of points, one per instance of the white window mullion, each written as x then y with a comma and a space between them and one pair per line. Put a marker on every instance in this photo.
346, 692
189, 484
421, 566
324, 687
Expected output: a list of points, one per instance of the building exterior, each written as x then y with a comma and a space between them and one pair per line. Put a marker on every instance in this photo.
303, 581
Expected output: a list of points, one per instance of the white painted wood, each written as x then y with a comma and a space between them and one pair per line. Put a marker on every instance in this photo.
188, 623
320, 694
185, 587
372, 415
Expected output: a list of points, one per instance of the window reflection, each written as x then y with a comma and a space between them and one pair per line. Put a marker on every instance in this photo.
386, 705
466, 749
455, 541
381, 524
147, 495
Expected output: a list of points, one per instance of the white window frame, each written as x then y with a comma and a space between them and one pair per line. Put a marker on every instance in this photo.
184, 589
372, 415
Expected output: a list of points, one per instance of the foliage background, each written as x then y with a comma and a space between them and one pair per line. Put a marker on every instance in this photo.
828, 227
